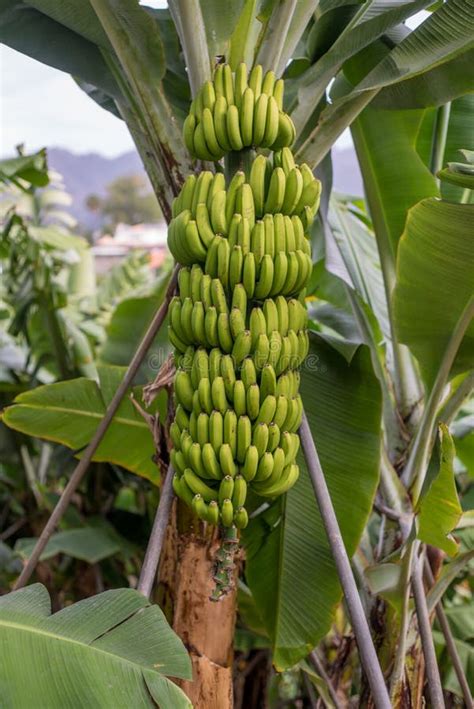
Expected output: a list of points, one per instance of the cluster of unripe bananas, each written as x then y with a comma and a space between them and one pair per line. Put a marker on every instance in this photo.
234, 112
238, 323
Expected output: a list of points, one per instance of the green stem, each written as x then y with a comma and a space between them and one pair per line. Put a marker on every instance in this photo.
455, 400
189, 22
440, 132
271, 48
415, 471
235, 161
396, 680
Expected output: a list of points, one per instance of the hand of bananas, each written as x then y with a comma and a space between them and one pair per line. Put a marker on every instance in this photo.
238, 324
237, 112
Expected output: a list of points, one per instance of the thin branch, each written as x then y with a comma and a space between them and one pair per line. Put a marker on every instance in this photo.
88, 454
450, 644
432, 670
368, 656
415, 470
276, 32
157, 537
320, 669
12, 529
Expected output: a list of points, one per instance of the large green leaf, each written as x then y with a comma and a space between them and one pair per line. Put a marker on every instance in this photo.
315, 81
90, 544
434, 282
351, 254
69, 412
111, 650
219, 24
446, 82
439, 509
446, 34
290, 569
33, 33
76, 15
395, 177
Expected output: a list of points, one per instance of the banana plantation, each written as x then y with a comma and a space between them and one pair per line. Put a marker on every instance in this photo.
246, 478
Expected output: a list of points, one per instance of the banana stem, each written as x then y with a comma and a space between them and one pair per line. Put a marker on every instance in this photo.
235, 161
225, 564
440, 133
368, 655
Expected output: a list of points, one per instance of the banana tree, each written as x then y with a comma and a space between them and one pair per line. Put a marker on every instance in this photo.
389, 365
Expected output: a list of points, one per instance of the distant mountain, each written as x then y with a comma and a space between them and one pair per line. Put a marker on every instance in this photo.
90, 173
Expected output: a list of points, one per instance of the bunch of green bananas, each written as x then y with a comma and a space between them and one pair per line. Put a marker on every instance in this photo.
237, 112
238, 324
267, 215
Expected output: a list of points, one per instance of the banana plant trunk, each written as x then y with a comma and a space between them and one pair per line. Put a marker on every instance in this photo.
206, 627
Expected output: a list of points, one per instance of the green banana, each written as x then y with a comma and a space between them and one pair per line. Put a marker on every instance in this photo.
233, 128
240, 400
202, 428
216, 429
198, 486
210, 326
220, 125
218, 218
250, 465
210, 462
219, 398
226, 342
244, 437
184, 390
226, 488
226, 460
253, 401
265, 467
276, 191
239, 494
228, 375
246, 117
241, 518
227, 513
230, 431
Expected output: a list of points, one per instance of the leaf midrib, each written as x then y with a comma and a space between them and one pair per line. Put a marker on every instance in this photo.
62, 638
82, 412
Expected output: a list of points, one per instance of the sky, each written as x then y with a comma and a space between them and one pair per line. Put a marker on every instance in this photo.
41, 106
